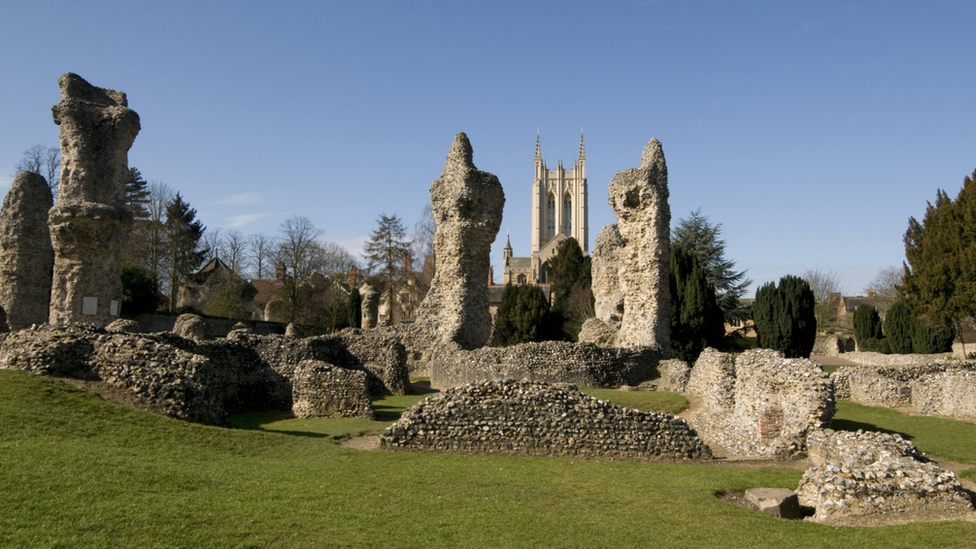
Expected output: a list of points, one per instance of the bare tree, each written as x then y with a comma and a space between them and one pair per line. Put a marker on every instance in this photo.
213, 243
44, 161
262, 249
233, 251
885, 286
336, 261
424, 258
301, 255
825, 286
153, 257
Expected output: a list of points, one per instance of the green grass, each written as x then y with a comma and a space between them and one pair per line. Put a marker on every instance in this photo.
647, 401
76, 471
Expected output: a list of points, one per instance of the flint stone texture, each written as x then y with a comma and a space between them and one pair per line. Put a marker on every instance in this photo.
90, 224
540, 419
777, 502
294, 330
581, 364
636, 249
467, 206
26, 255
320, 389
867, 473
760, 404
371, 306
597, 332
193, 327
204, 381
935, 389
123, 326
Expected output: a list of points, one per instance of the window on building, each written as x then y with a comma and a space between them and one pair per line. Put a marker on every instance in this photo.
567, 215
551, 217
521, 279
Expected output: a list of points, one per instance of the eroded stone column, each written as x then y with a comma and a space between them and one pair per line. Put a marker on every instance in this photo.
640, 250
467, 207
90, 224
26, 256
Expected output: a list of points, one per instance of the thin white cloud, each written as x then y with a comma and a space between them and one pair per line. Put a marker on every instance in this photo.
236, 221
242, 199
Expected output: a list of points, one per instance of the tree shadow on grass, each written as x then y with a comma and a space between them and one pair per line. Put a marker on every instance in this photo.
850, 425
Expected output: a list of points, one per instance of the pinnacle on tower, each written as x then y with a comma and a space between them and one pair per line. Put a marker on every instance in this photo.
582, 148
538, 149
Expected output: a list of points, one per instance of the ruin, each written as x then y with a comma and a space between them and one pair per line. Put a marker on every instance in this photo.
630, 259
540, 419
936, 388
90, 224
371, 306
467, 206
26, 255
857, 474
759, 404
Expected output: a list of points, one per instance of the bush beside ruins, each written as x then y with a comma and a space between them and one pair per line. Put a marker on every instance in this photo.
760, 403
533, 418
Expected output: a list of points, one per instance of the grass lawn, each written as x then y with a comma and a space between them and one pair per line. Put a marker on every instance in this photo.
81, 472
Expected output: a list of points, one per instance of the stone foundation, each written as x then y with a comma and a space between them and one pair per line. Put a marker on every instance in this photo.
760, 404
581, 364
540, 419
935, 389
865, 473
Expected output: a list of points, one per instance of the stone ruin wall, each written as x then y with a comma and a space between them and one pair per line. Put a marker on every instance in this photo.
582, 364
90, 223
935, 389
467, 207
631, 259
204, 381
539, 419
867, 473
760, 404
26, 255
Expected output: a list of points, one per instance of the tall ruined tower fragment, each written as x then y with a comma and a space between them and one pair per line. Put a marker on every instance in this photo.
467, 204
26, 257
631, 257
90, 223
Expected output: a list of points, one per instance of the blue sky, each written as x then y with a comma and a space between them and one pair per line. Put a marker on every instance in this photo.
810, 130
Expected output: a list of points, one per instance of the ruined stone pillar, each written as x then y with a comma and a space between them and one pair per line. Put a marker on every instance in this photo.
638, 247
467, 206
90, 224
370, 300
26, 256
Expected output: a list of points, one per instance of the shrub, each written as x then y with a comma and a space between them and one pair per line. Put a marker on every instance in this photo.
784, 317
867, 323
523, 315
932, 338
899, 328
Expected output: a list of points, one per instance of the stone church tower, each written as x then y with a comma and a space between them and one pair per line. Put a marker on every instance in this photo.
560, 210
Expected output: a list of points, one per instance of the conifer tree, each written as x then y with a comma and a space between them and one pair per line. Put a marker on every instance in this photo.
867, 323
355, 309
703, 239
899, 328
385, 250
569, 274
523, 315
784, 317
183, 234
696, 319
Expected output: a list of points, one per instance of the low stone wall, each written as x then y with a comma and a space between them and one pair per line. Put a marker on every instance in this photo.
540, 419
868, 358
867, 473
759, 404
220, 326
582, 364
202, 381
938, 389
320, 389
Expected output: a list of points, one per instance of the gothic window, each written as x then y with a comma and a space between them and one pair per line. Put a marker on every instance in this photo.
567, 215
551, 217
521, 279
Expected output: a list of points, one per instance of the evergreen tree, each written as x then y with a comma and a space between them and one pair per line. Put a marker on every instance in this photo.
899, 328
139, 291
931, 337
784, 316
385, 250
569, 274
867, 323
523, 315
183, 233
940, 266
355, 312
696, 319
137, 195
702, 238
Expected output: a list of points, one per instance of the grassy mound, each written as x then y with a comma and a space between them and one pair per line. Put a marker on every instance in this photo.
81, 472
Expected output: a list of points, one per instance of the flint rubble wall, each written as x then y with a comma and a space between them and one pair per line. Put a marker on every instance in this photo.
540, 419
936, 388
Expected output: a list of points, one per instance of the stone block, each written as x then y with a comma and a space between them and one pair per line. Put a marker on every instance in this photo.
777, 502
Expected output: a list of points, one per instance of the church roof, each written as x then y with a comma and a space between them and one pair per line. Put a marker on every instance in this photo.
520, 263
